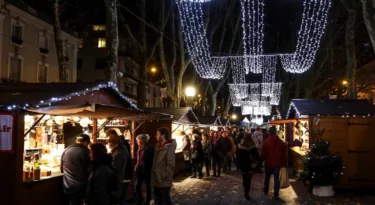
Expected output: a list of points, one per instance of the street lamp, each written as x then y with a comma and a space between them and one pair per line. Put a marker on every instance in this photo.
344, 82
234, 116
190, 93
153, 69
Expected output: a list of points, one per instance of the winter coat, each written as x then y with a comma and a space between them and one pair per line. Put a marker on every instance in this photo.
245, 156
197, 154
227, 145
207, 149
164, 164
75, 162
186, 148
120, 155
129, 163
274, 152
147, 161
100, 184
218, 149
232, 146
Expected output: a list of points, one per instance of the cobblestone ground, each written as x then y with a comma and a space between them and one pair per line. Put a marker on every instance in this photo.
227, 190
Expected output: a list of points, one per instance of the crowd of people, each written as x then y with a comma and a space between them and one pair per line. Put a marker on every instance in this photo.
92, 176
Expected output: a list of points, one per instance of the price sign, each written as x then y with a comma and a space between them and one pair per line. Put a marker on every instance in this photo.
6, 132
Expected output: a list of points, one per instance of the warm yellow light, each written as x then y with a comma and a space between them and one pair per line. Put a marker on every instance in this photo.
344, 82
190, 91
98, 27
153, 70
234, 116
199, 95
102, 43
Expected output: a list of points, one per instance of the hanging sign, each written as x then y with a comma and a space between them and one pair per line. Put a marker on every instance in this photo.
6, 132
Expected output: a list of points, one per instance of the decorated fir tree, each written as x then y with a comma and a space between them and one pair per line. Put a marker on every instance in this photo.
320, 168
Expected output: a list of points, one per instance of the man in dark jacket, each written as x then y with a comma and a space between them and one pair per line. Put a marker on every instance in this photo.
274, 155
120, 155
227, 151
143, 168
75, 162
245, 152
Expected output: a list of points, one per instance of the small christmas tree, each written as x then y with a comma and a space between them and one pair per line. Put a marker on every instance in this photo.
320, 168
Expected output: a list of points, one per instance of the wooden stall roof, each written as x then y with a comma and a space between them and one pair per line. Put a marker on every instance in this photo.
40, 94
225, 122
299, 107
183, 115
209, 121
99, 112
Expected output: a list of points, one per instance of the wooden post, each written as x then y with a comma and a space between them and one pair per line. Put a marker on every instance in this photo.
94, 130
132, 140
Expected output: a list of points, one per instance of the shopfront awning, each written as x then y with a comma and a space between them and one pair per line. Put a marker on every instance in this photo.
99, 111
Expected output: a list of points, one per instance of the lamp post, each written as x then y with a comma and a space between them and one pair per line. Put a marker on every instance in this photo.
190, 93
234, 117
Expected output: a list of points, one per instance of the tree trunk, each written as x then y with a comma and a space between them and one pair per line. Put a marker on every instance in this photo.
227, 107
142, 86
113, 39
204, 99
212, 108
63, 71
368, 14
351, 66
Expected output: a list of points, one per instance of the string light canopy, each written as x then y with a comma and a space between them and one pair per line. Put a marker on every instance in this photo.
238, 69
314, 21
257, 120
276, 93
247, 110
253, 26
191, 15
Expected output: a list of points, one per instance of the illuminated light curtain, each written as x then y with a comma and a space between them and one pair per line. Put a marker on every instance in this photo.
238, 70
257, 120
313, 25
276, 90
253, 35
247, 110
191, 15
239, 91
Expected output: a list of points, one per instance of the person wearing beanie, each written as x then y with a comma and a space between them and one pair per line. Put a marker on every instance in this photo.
143, 167
120, 155
245, 152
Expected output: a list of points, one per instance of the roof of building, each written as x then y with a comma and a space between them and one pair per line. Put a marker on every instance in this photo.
178, 114
209, 120
39, 94
299, 107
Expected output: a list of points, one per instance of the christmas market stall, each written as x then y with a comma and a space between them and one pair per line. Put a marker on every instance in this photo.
182, 120
347, 125
38, 121
208, 123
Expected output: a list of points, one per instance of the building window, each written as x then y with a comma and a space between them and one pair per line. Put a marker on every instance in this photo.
101, 63
98, 27
42, 72
15, 68
17, 30
79, 63
128, 88
102, 43
43, 42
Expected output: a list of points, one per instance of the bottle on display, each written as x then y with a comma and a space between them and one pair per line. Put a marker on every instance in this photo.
36, 168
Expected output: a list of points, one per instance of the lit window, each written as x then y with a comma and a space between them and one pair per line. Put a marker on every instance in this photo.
43, 40
102, 43
98, 27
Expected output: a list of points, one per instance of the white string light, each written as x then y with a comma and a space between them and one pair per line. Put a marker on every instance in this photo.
253, 35
314, 21
238, 69
240, 91
247, 110
276, 93
257, 120
191, 15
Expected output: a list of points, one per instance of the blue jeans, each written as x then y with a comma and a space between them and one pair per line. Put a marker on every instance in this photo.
276, 176
162, 196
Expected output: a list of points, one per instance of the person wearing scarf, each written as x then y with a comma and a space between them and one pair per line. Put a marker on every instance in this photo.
245, 152
143, 167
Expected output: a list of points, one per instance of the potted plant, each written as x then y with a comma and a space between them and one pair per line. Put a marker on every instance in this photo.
321, 169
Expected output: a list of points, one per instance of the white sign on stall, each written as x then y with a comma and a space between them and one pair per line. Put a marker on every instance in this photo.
6, 132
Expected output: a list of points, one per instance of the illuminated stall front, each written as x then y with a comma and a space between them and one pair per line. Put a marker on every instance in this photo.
43, 124
346, 124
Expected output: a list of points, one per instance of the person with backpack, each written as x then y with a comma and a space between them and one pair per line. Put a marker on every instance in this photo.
102, 178
120, 155
145, 158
